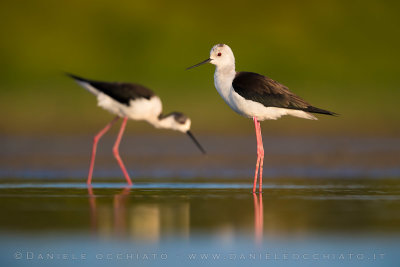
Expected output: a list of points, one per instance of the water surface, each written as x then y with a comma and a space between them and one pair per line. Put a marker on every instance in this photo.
326, 202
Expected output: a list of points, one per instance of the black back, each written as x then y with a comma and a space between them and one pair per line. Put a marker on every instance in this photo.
261, 89
121, 92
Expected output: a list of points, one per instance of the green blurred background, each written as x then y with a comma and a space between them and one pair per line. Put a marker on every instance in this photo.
339, 55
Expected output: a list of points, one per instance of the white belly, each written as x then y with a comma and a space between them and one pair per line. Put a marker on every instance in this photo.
250, 109
139, 109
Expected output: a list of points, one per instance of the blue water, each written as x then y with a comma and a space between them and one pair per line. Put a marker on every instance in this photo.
313, 251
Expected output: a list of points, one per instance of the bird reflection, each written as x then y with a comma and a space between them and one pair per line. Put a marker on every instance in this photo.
258, 218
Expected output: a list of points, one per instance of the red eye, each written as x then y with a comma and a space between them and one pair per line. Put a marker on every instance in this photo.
219, 54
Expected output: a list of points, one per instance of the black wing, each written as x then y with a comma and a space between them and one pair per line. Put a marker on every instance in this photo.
270, 93
122, 92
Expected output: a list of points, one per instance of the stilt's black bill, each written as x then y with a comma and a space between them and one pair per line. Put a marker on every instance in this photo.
195, 141
201, 63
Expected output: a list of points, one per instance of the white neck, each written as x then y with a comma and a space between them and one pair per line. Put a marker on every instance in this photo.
223, 78
164, 123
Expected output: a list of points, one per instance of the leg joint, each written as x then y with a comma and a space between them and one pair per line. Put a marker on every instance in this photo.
115, 151
96, 139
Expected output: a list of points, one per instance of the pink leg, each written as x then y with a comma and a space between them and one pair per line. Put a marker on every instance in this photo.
256, 174
116, 151
261, 158
260, 155
95, 141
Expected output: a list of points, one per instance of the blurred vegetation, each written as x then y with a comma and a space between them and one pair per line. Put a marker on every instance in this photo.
338, 55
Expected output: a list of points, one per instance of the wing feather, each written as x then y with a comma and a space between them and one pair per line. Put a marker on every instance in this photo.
122, 92
270, 93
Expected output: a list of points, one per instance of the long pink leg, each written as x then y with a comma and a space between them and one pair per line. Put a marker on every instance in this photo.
95, 141
116, 151
261, 148
260, 156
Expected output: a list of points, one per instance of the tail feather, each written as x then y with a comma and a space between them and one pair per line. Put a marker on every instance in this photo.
75, 77
312, 109
84, 83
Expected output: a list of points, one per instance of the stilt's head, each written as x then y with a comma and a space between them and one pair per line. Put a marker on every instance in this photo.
221, 55
179, 122
175, 121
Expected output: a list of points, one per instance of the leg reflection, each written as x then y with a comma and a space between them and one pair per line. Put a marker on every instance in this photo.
119, 215
119, 211
93, 210
258, 218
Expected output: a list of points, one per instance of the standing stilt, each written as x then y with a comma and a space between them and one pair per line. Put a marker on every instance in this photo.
256, 96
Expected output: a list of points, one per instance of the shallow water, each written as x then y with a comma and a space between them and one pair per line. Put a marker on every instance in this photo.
300, 222
343, 209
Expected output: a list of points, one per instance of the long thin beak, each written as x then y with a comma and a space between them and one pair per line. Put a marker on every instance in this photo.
189, 133
201, 63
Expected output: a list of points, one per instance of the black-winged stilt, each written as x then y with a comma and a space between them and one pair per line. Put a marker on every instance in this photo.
131, 101
255, 96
